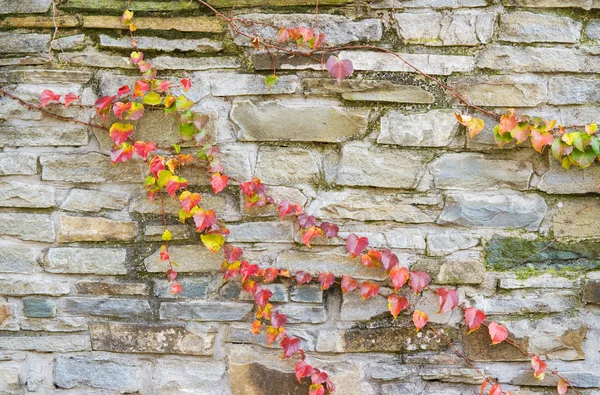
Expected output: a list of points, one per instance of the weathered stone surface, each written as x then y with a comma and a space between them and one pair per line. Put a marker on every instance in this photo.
501, 90
92, 167
179, 232
183, 24
273, 121
69, 43
46, 343
543, 281
36, 227
17, 258
29, 7
430, 3
462, 267
190, 258
24, 42
107, 261
529, 27
338, 30
585, 4
202, 45
524, 302
18, 163
558, 180
110, 288
436, 128
446, 242
229, 84
302, 313
201, 63
288, 166
478, 172
9, 380
86, 200
530, 59
504, 209
591, 292
41, 22
58, 324
192, 287
256, 379
369, 205
363, 165
180, 376
36, 135
592, 30
20, 194
113, 5
122, 376
449, 28
38, 308
585, 379
205, 311
255, 232
95, 229
430, 64
33, 286
573, 90
149, 338
103, 307
477, 348
307, 294
575, 218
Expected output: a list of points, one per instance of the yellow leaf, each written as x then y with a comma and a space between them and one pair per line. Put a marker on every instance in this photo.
213, 241
167, 236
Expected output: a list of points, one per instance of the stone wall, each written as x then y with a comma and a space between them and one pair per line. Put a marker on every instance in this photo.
84, 304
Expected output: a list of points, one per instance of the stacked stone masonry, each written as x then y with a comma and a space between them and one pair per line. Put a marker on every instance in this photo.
84, 304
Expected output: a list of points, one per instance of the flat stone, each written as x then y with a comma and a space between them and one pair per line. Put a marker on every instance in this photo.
287, 166
406, 238
33, 135
585, 4
338, 30
29, 7
179, 232
462, 267
504, 209
180, 376
430, 3
57, 324
41, 22
69, 43
501, 90
255, 232
95, 229
112, 288
527, 302
229, 84
46, 343
201, 45
436, 128
141, 204
33, 286
591, 292
18, 258
477, 172
529, 27
89, 168
122, 376
18, 163
364, 205
36, 227
205, 311
303, 313
477, 347
307, 294
189, 258
446, 242
192, 287
558, 180
24, 42
177, 5
86, 200
150, 338
573, 90
106, 261
450, 28
544, 281
9, 381
584, 379
363, 165
38, 308
430, 64
592, 30
282, 120
575, 218
256, 379
105, 307
201, 63
19, 194
182, 24
92, 58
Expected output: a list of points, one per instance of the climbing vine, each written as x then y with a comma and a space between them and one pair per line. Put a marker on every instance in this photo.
572, 145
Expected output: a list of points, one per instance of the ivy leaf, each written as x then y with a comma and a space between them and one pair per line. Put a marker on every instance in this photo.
213, 241
285, 208
204, 219
186, 83
171, 274
126, 17
419, 319
562, 387
474, 318
248, 270
474, 125
316, 389
48, 96
188, 200
306, 220
256, 327
448, 299
152, 99
136, 57
290, 346
271, 274
262, 296
418, 281
283, 34
559, 149
70, 98
521, 132
595, 144
326, 280
119, 132
163, 177
119, 108
271, 80
303, 370
273, 333
176, 288
103, 106
539, 140
583, 159
396, 304
182, 103
218, 182
399, 276
356, 245
135, 112
139, 88
389, 260
498, 333
303, 278
329, 230
121, 154
348, 284
339, 69
122, 91
232, 253
278, 320
309, 233
539, 367
371, 259
368, 290
508, 122
167, 235
591, 128
496, 390
174, 184
501, 140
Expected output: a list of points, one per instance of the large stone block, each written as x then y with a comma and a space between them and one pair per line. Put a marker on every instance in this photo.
92, 167
24, 42
107, 261
86, 200
363, 165
442, 4
17, 258
573, 90
393, 339
529, 27
501, 90
558, 180
47, 343
182, 376
110, 374
201, 45
288, 166
35, 227
303, 313
58, 324
591, 292
256, 232
26, 7
504, 209
585, 4
189, 258
9, 378
205, 311
576, 218
436, 128
105, 307
150, 338
478, 347
112, 288
528, 302
193, 287
182, 24
324, 121
33, 286
18, 163
233, 84
19, 194
38, 308
256, 379
39, 134
95, 229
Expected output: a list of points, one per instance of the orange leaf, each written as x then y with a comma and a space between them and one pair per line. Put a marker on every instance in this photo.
562, 387
508, 122
371, 259
419, 319
368, 290
399, 276
326, 280
495, 390
256, 327
396, 304
539, 140
348, 284
539, 367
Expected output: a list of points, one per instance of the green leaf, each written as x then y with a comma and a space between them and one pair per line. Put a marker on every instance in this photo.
163, 177
183, 103
177, 148
501, 139
167, 236
149, 181
152, 99
596, 145
583, 159
271, 80
566, 163
187, 130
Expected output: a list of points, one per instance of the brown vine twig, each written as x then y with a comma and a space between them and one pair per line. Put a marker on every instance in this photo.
55, 30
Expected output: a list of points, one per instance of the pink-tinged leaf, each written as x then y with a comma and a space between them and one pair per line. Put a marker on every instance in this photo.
326, 280
303, 370
262, 296
136, 57
539, 367
103, 103
498, 333
189, 200
122, 91
174, 184
283, 34
474, 125
121, 154
157, 164
176, 288
396, 304
329, 230
186, 83
119, 108
507, 122
330, 386
399, 276
316, 389
232, 253
171, 275
303, 278
306, 221
135, 112
540, 140
339, 69
495, 390
389, 260
371, 259
271, 274
419, 319
368, 290
163, 86
70, 98
140, 88
143, 149
348, 284
309, 233
521, 132
474, 318
562, 387
218, 182
204, 219
418, 281
48, 96
290, 346
277, 319
319, 377
319, 41
164, 256
285, 208
356, 245
447, 299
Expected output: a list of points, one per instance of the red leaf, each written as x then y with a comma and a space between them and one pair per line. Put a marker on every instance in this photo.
249, 286
303, 370
330, 230
103, 105
121, 154
286, 208
539, 367
157, 164
418, 281
303, 278
448, 299
248, 270
171, 275
256, 327
356, 245
399, 276
483, 385
474, 318
176, 288
140, 87
309, 233
218, 182
123, 90
319, 377
495, 390
368, 290
204, 219
174, 184
396, 304
277, 319
48, 96
70, 98
119, 108
371, 259
143, 149
189, 200
290, 346
498, 333
306, 221
348, 284
316, 389
232, 253
389, 260
164, 256
339, 69
271, 274
186, 83
562, 387
330, 386
262, 296
419, 319
119, 132
326, 280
